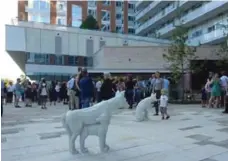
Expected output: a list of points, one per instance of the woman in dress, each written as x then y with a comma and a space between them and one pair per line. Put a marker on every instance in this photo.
215, 91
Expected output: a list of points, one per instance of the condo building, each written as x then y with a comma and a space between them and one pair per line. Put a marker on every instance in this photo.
207, 20
114, 16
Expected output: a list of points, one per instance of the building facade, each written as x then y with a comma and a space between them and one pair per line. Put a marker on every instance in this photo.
203, 18
114, 16
54, 52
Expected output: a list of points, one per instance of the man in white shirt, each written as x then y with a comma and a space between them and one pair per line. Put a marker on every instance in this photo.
164, 104
73, 98
224, 84
98, 90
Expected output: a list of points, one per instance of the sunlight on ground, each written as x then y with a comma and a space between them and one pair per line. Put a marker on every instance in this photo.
9, 68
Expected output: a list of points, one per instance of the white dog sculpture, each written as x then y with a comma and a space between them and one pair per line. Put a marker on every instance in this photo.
92, 121
141, 112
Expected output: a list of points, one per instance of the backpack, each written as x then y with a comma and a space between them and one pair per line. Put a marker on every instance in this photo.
74, 88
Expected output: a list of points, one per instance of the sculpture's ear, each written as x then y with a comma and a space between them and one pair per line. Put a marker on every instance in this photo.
117, 93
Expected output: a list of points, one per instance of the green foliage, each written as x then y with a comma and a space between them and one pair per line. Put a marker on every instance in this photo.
90, 23
179, 54
223, 54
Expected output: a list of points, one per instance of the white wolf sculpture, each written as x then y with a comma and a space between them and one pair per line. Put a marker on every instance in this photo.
141, 112
81, 122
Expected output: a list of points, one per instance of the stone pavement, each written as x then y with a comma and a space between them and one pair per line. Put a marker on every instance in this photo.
192, 134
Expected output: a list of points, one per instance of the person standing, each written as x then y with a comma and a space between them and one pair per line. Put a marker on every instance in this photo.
215, 91
166, 85
52, 94
73, 93
10, 90
28, 95
224, 84
107, 87
130, 84
98, 90
57, 89
87, 89
43, 94
2, 96
18, 92
157, 87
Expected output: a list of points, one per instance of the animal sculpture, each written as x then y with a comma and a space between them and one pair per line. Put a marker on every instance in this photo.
141, 112
93, 120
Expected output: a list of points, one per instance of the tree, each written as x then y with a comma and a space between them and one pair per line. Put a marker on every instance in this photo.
90, 23
179, 55
223, 54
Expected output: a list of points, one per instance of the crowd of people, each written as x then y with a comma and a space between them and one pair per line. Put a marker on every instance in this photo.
215, 91
81, 91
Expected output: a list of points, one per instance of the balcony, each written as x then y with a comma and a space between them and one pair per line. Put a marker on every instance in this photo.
205, 12
141, 3
164, 31
147, 9
154, 20
209, 38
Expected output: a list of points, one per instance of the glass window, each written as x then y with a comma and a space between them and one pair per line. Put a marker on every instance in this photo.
43, 5
197, 33
118, 16
44, 19
131, 18
118, 4
131, 31
58, 59
131, 6
210, 29
77, 16
36, 4
71, 60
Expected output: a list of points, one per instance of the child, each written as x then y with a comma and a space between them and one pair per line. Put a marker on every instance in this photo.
203, 96
164, 104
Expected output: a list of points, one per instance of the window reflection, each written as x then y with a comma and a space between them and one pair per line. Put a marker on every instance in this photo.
52, 59
77, 16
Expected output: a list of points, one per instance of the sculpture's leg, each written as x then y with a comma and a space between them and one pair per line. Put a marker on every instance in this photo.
83, 137
72, 143
146, 115
75, 132
102, 142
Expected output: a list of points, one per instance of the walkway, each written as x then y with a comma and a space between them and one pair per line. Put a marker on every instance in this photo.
192, 134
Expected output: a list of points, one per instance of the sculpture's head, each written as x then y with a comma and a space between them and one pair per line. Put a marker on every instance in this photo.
153, 97
121, 100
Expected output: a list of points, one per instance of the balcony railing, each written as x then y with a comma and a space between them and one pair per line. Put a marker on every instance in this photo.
208, 37
202, 10
147, 9
138, 3
154, 19
166, 29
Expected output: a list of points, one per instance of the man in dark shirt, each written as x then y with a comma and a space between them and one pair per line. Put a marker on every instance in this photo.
107, 88
130, 84
86, 86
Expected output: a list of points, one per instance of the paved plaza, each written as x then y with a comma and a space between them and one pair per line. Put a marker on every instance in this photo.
192, 134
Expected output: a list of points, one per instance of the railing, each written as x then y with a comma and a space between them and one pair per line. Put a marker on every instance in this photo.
166, 29
207, 37
138, 3
202, 10
147, 9
154, 19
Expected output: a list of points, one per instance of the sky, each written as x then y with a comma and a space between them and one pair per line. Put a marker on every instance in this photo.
8, 67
